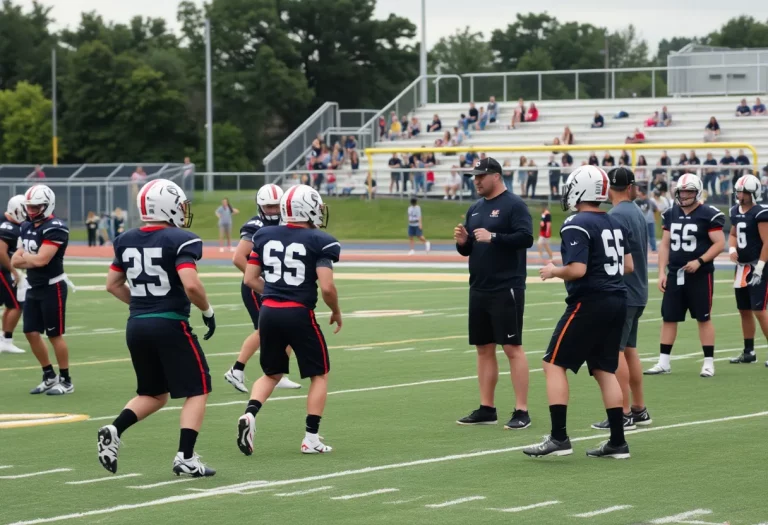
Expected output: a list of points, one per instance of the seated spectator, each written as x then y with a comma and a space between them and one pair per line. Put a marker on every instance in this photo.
653, 120
350, 144
712, 130
555, 142
337, 157
598, 121
382, 127
492, 109
414, 128
435, 125
533, 113
758, 108
621, 114
453, 185
637, 138
445, 141
665, 119
592, 161
458, 136
482, 120
624, 159
404, 123
395, 129
472, 118
519, 114
640, 172
608, 160
742, 110
354, 160
567, 137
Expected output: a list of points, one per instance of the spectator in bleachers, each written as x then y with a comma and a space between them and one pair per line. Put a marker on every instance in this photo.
663, 203
458, 136
38, 173
404, 124
759, 107
518, 115
741, 160
482, 120
92, 225
418, 176
533, 178
593, 160
382, 127
694, 162
350, 144
665, 119
567, 137
435, 125
472, 118
653, 120
138, 178
414, 128
712, 130
566, 161
349, 185
664, 160
660, 182
429, 163
468, 182
453, 185
354, 160
554, 176
743, 110
533, 113
682, 162
330, 184
508, 176
555, 142
624, 158
727, 173
337, 157
492, 109
430, 180
444, 141
608, 160
598, 121
640, 169
637, 138
710, 174
522, 174
394, 177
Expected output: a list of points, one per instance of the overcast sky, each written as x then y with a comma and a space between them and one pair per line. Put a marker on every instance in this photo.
655, 19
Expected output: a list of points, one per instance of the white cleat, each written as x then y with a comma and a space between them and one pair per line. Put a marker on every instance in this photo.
62, 388
287, 383
7, 346
236, 378
191, 467
45, 386
428, 246
707, 370
107, 446
246, 428
311, 444
657, 369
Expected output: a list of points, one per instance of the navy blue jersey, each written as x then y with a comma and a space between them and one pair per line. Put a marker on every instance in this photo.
151, 257
599, 241
689, 234
748, 241
9, 232
52, 231
289, 257
254, 224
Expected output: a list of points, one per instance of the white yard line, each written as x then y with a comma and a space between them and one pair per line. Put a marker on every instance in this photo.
364, 494
359, 348
99, 480
233, 489
454, 502
5, 466
434, 314
398, 350
677, 518
438, 350
34, 474
600, 512
528, 507
164, 483
402, 501
303, 492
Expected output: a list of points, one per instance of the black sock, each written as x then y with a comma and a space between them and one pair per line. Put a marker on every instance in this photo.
8, 335
558, 414
749, 346
187, 439
239, 366
126, 419
485, 408
253, 407
616, 422
313, 424
709, 350
665, 349
48, 372
64, 373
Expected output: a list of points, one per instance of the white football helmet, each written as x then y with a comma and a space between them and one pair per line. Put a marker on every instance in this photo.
40, 195
585, 184
161, 200
747, 184
301, 203
16, 211
269, 195
688, 182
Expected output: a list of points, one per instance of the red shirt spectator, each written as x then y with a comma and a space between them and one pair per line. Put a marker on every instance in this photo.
38, 173
533, 113
545, 225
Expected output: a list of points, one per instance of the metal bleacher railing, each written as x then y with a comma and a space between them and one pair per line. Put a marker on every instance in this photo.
100, 188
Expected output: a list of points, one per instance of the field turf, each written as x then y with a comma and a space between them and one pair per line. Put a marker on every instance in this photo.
402, 373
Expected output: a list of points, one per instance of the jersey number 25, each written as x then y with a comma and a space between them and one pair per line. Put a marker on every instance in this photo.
144, 264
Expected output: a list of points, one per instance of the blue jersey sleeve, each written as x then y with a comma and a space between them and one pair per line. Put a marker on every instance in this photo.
666, 218
575, 244
250, 228
117, 263
189, 252
717, 220
762, 213
329, 248
9, 233
55, 232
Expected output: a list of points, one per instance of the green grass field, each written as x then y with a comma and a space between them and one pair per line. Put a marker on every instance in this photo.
398, 383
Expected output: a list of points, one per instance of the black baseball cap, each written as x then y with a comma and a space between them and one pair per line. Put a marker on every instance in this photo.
486, 166
621, 177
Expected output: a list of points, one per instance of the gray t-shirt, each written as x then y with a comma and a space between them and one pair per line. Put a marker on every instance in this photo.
647, 206
225, 216
630, 216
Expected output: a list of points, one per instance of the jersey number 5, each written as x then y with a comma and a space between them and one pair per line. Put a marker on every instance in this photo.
144, 264
273, 266
614, 249
683, 236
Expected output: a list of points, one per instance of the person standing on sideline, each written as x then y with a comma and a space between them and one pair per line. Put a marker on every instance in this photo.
649, 208
415, 226
495, 236
224, 214
630, 370
545, 231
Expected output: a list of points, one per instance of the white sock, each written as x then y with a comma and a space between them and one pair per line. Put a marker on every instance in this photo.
310, 436
664, 360
709, 362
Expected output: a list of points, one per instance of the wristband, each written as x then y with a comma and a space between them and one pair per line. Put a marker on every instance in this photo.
208, 312
759, 267
731, 250
701, 261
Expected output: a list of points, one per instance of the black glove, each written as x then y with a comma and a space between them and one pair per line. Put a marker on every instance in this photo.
210, 323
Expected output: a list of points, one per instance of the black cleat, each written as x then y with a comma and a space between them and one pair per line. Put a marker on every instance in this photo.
520, 420
606, 450
744, 357
479, 417
629, 424
641, 417
549, 447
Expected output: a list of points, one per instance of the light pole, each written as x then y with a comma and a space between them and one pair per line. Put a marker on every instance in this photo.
55, 139
208, 109
423, 54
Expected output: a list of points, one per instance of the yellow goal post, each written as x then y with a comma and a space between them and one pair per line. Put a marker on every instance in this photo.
633, 148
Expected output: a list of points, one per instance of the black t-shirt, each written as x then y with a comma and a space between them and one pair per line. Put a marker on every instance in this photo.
743, 110
609, 161
395, 162
473, 114
593, 161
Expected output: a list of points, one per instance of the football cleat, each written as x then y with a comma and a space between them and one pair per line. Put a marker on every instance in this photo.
520, 420
428, 246
657, 369
107, 445
246, 428
311, 444
236, 378
479, 417
287, 383
606, 450
641, 417
7, 346
744, 357
629, 424
707, 370
191, 467
61, 388
549, 447
46, 385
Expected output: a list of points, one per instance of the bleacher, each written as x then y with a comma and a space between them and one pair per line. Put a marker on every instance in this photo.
689, 117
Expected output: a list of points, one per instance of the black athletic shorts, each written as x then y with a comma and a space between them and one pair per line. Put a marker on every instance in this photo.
589, 331
252, 302
694, 296
8, 297
294, 326
167, 357
496, 317
45, 309
753, 297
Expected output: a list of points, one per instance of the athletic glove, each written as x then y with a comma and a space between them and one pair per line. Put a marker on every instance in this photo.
210, 323
757, 274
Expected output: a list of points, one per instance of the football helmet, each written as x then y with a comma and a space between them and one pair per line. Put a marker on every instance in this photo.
269, 195
40, 195
747, 184
16, 211
301, 203
161, 200
585, 184
688, 182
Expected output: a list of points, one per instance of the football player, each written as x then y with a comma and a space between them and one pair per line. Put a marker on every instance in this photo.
10, 280
44, 240
293, 259
158, 262
748, 248
692, 238
268, 204
595, 259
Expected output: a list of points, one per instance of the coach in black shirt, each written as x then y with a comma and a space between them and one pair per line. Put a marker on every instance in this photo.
496, 235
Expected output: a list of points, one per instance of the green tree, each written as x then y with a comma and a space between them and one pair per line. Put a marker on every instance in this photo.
667, 46
25, 125
740, 32
25, 45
